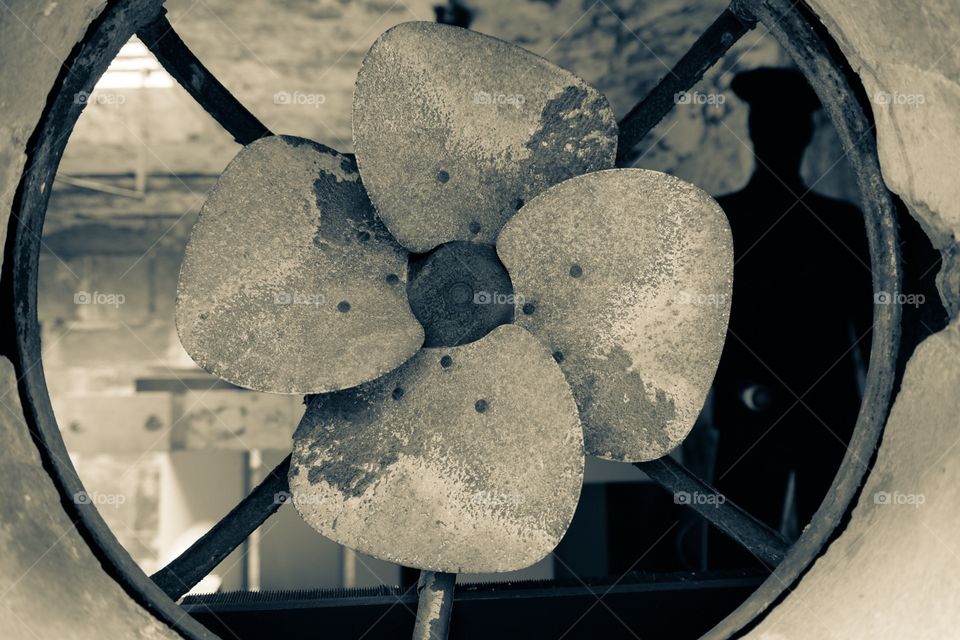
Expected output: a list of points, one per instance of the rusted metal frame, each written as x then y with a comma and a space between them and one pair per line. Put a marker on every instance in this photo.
160, 37
434, 605
756, 537
191, 566
805, 39
88, 60
729, 27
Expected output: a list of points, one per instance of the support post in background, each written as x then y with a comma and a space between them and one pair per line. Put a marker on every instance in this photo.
251, 562
348, 568
436, 604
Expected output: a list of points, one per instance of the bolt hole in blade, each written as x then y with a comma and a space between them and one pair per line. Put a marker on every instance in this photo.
442, 161
379, 469
626, 274
289, 266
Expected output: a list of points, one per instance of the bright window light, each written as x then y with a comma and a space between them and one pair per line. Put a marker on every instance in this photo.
135, 68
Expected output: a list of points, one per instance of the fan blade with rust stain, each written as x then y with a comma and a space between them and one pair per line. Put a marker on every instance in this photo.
626, 274
454, 130
289, 283
465, 459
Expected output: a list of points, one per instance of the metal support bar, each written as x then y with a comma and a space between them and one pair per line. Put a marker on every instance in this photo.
435, 605
709, 47
202, 85
757, 538
190, 567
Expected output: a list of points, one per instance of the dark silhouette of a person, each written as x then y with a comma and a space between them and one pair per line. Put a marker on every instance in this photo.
787, 392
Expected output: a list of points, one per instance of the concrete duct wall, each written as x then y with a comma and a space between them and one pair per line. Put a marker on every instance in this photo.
51, 583
893, 573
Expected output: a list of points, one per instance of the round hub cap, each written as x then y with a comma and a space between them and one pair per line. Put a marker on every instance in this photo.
459, 292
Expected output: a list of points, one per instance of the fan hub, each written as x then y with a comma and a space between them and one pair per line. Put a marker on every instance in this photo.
459, 292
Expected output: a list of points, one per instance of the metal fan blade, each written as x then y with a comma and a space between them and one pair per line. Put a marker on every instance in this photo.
464, 459
454, 130
289, 283
626, 275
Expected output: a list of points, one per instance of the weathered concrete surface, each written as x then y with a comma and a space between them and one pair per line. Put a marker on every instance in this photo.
35, 38
500, 125
379, 468
626, 276
907, 57
290, 283
51, 585
895, 572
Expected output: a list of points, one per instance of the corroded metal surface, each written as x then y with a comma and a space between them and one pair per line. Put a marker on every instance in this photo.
435, 605
42, 419
185, 571
203, 86
712, 45
796, 33
289, 283
464, 459
454, 130
83, 584
767, 545
460, 293
626, 276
